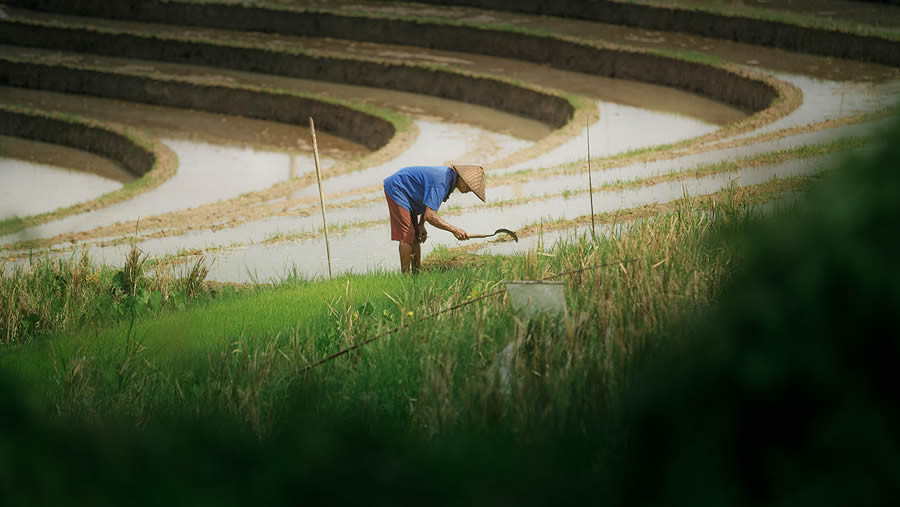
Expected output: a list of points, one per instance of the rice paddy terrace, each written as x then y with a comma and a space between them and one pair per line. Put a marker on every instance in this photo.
183, 125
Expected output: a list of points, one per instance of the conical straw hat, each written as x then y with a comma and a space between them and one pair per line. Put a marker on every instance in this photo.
473, 175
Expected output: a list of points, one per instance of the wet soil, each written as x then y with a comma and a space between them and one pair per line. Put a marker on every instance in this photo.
548, 108
410, 103
770, 58
186, 123
884, 16
627, 92
662, 16
114, 145
712, 82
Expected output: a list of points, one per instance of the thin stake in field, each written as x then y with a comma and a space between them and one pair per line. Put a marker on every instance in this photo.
590, 183
312, 129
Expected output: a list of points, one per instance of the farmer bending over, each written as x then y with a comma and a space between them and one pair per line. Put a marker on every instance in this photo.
414, 194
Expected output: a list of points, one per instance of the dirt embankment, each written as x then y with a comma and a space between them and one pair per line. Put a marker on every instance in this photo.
741, 29
716, 83
363, 128
134, 158
546, 108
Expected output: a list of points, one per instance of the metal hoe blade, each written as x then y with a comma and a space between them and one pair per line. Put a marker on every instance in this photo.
498, 231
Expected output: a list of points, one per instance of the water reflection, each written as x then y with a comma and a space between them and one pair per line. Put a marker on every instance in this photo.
27, 188
618, 130
206, 173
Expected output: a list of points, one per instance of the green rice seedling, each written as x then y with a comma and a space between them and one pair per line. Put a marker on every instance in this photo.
132, 273
192, 283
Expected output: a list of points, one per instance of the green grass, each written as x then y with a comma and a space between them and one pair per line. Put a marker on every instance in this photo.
430, 376
689, 56
11, 224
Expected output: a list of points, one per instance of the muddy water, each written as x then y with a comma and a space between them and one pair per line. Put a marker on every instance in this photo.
619, 129
438, 143
372, 206
578, 182
268, 260
28, 188
56, 155
38, 177
827, 100
206, 173
369, 206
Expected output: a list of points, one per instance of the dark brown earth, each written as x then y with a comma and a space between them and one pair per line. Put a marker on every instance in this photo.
135, 159
712, 82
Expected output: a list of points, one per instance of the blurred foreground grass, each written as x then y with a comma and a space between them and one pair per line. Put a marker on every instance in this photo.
720, 357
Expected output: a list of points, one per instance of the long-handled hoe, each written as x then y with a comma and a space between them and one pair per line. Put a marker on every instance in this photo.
498, 231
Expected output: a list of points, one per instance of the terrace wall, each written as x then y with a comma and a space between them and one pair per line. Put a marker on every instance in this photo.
713, 82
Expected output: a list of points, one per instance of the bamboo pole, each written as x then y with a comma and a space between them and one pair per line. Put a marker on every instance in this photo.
312, 128
590, 183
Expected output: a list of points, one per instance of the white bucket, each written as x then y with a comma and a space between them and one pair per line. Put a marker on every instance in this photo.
530, 298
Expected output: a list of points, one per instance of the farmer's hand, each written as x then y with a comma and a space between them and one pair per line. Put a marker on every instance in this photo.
461, 234
421, 234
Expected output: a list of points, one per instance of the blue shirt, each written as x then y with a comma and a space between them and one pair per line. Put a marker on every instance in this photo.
416, 187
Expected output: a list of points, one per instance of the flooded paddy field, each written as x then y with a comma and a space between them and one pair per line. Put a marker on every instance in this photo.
358, 249
244, 193
39, 177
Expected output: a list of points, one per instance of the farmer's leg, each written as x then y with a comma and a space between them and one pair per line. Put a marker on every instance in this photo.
402, 230
406, 251
416, 256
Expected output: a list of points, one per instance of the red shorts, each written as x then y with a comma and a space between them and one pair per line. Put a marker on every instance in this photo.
401, 223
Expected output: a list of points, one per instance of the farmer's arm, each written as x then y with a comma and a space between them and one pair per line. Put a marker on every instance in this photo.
432, 218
